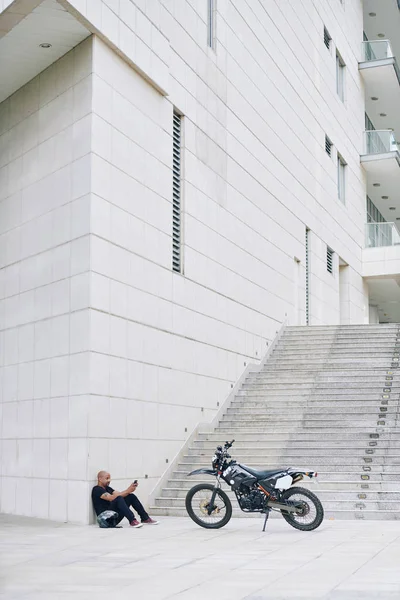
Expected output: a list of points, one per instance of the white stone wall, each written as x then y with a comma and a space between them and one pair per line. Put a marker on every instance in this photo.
44, 254
5, 4
255, 174
166, 348
133, 355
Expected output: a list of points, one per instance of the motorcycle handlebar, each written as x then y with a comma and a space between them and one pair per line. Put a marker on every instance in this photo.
227, 445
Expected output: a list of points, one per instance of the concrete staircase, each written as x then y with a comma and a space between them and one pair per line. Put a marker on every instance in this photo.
327, 399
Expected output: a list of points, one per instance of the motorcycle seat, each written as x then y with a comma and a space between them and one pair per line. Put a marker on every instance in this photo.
263, 474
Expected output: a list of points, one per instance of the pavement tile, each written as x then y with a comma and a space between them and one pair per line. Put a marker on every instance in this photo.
342, 560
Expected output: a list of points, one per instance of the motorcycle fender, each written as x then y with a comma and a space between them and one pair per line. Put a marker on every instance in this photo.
203, 472
297, 472
284, 483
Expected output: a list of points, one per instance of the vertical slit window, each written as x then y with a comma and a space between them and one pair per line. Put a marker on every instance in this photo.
211, 23
307, 276
329, 260
341, 178
177, 193
340, 71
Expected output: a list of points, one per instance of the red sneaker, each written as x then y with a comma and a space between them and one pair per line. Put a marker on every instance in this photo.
135, 523
150, 521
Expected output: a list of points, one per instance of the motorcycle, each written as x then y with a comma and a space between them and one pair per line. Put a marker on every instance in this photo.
256, 491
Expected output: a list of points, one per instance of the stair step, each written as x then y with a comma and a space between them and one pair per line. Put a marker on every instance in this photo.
354, 468
321, 388
325, 496
367, 344
296, 452
335, 476
332, 485
285, 367
339, 394
335, 434
329, 505
293, 411
330, 354
368, 332
345, 499
333, 443
376, 515
361, 421
262, 405
325, 375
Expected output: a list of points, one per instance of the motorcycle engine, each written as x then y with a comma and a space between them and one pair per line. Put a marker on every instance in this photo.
253, 501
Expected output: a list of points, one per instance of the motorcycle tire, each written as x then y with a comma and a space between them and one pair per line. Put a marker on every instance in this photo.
295, 519
208, 489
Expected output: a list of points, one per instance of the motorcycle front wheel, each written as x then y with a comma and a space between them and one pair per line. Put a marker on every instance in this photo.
310, 514
198, 503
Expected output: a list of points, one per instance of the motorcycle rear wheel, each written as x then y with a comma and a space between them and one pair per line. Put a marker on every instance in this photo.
197, 504
313, 514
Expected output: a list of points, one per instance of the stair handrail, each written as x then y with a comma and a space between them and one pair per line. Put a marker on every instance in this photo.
205, 427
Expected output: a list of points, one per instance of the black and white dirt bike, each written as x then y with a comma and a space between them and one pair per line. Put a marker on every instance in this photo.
256, 491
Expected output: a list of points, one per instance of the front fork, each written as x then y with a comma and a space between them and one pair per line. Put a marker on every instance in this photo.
211, 507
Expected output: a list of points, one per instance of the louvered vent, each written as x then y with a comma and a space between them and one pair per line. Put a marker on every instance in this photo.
307, 277
176, 194
210, 23
329, 259
328, 146
327, 38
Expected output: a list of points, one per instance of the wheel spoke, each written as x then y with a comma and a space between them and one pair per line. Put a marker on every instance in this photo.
200, 503
307, 514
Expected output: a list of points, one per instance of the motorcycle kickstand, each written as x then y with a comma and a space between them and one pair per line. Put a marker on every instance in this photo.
266, 517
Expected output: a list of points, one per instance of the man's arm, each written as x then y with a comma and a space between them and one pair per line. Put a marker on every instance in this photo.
110, 497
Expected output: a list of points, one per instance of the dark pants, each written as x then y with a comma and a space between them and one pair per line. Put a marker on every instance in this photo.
121, 506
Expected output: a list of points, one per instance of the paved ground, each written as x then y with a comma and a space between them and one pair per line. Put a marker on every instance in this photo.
342, 560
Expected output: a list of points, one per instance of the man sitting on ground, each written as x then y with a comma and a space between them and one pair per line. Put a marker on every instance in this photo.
105, 498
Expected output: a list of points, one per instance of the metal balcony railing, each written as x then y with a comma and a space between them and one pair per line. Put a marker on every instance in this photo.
380, 141
381, 234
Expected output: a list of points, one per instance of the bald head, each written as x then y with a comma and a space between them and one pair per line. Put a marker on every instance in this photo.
103, 478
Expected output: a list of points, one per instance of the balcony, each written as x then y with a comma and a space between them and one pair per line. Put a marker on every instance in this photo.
378, 142
379, 235
381, 269
374, 52
381, 255
381, 152
381, 75
381, 161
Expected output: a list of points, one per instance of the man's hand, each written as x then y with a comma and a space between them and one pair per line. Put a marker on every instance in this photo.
114, 495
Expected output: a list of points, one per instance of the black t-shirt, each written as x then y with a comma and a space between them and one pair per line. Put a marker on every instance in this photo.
99, 504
